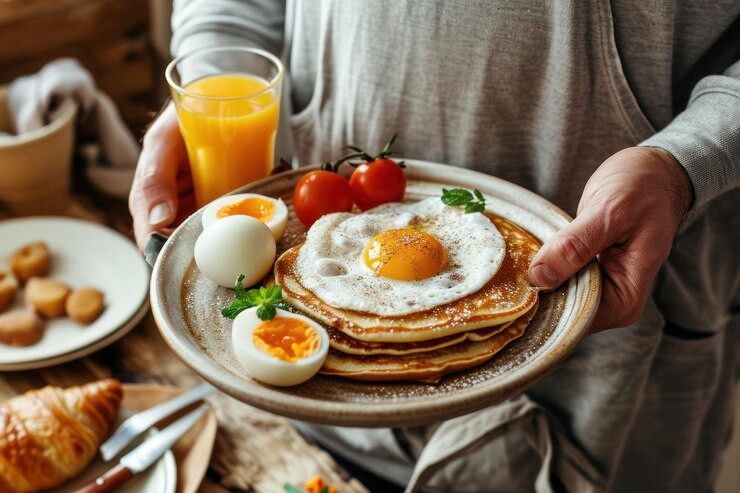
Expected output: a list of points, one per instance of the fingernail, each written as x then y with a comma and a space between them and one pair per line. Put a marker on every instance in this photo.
544, 276
159, 214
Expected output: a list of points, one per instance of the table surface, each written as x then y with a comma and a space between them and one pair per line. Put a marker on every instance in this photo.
254, 451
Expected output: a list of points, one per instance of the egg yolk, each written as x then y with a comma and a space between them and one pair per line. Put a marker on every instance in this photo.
405, 255
286, 338
258, 208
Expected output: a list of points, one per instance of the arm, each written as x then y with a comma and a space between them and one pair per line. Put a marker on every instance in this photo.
705, 138
633, 204
205, 23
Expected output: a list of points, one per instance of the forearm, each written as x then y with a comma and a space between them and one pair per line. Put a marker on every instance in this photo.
705, 138
206, 23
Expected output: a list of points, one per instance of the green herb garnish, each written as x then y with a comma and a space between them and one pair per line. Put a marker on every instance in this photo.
266, 299
290, 488
460, 197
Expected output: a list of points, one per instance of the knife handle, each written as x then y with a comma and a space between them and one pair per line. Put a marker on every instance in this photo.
109, 481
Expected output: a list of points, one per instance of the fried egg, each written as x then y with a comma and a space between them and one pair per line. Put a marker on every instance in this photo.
272, 212
398, 258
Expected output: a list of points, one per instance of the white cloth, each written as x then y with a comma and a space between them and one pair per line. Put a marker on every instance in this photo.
33, 102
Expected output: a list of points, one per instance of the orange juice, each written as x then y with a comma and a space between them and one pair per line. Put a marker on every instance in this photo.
230, 137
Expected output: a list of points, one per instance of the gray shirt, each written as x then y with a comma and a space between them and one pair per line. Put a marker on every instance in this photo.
540, 94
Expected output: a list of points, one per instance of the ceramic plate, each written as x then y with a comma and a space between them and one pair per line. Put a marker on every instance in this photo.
186, 308
84, 351
84, 254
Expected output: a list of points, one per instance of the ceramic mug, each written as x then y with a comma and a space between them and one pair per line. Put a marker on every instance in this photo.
35, 166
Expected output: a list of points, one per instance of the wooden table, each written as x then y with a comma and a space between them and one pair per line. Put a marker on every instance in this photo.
255, 451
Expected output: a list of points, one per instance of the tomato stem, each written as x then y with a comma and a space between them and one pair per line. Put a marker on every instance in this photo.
360, 154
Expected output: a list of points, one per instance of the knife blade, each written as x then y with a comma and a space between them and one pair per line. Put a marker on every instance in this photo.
143, 456
140, 422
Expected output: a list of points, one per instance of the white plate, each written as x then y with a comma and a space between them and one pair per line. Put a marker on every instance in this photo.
161, 477
84, 254
82, 352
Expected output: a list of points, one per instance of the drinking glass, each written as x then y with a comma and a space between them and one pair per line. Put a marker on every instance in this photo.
228, 105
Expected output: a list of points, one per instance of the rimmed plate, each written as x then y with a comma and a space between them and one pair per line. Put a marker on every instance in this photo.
186, 309
84, 254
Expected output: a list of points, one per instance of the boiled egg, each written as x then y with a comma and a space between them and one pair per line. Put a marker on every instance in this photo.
284, 351
235, 245
268, 210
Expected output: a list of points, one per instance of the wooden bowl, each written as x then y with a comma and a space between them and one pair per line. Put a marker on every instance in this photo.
186, 308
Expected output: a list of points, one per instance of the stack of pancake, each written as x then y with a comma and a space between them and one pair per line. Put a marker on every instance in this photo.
424, 345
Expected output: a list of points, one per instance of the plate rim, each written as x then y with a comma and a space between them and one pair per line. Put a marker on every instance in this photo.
394, 413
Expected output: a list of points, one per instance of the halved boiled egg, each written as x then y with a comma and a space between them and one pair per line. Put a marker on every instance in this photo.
284, 351
272, 212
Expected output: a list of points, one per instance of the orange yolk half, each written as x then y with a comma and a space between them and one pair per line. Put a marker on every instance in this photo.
261, 209
405, 254
286, 338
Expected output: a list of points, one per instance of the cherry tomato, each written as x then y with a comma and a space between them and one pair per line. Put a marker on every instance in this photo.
321, 192
377, 182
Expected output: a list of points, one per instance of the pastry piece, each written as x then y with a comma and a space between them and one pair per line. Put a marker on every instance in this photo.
32, 260
50, 435
8, 286
47, 296
20, 328
84, 305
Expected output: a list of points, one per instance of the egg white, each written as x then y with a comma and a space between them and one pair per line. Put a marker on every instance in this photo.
276, 223
330, 263
269, 369
232, 246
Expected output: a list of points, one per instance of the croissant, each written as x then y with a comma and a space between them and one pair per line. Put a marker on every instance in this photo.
48, 436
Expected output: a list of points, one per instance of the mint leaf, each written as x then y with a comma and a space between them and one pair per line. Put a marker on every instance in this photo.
462, 197
266, 311
235, 308
274, 293
290, 488
267, 299
456, 196
241, 293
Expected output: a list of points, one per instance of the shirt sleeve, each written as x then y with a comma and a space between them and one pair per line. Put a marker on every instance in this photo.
208, 23
705, 138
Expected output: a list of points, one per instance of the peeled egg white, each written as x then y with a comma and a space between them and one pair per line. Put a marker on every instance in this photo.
269, 369
276, 223
235, 245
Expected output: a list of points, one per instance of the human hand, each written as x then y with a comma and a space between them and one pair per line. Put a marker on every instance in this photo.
162, 191
628, 215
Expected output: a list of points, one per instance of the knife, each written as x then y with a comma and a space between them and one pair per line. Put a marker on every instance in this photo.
140, 422
143, 456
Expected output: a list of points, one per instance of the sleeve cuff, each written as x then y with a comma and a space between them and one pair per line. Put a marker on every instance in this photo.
705, 138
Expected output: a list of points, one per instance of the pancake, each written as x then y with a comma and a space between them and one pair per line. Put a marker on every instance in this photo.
427, 367
344, 343
504, 298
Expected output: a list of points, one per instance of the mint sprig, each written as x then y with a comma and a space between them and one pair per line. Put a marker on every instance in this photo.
462, 197
266, 299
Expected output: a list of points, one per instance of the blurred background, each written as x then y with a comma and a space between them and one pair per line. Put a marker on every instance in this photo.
123, 43
124, 46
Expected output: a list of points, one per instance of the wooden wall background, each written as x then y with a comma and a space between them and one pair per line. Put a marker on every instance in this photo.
111, 38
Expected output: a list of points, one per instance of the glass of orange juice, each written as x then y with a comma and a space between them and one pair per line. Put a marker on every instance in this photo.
228, 103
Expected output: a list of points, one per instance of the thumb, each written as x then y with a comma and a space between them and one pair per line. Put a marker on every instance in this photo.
153, 199
568, 251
